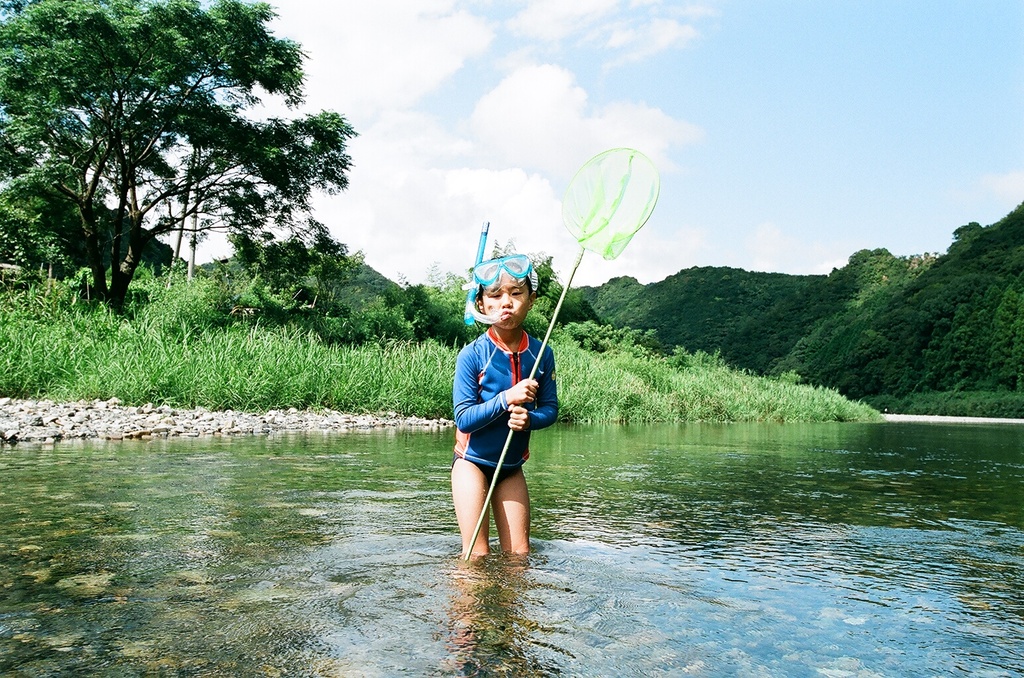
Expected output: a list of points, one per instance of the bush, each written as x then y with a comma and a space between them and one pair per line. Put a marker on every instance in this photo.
182, 310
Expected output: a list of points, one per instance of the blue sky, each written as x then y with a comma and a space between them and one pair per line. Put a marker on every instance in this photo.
789, 133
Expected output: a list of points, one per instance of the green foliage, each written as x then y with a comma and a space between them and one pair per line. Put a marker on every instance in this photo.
174, 347
133, 114
715, 309
621, 302
1007, 347
182, 311
386, 321
599, 338
32, 229
431, 313
623, 386
304, 275
881, 326
942, 330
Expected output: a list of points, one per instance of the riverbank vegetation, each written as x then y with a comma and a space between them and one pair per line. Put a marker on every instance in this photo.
922, 334
181, 345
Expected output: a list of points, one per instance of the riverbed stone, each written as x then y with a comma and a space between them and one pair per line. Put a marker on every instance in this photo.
44, 421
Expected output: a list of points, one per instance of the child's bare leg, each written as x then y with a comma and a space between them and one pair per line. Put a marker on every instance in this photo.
469, 489
511, 504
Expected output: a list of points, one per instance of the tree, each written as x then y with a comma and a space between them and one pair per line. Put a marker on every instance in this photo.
308, 274
1007, 348
38, 230
33, 230
134, 113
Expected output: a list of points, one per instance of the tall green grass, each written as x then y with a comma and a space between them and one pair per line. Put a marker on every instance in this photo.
625, 387
236, 368
173, 354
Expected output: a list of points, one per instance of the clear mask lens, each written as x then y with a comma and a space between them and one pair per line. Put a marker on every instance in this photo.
516, 265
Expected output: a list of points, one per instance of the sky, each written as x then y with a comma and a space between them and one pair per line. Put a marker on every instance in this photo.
788, 134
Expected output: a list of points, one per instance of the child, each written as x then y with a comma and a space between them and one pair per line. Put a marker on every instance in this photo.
491, 395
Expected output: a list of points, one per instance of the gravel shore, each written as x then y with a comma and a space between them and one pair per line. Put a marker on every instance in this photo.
938, 419
44, 421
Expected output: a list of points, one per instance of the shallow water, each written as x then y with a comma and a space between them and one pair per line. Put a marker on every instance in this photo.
746, 550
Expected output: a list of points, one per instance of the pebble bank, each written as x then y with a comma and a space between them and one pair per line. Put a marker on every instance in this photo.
44, 421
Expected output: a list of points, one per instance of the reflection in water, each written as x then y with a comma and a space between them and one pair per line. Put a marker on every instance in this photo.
490, 633
768, 550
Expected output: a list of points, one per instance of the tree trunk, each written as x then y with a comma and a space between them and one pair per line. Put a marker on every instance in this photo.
192, 249
92, 251
177, 251
126, 270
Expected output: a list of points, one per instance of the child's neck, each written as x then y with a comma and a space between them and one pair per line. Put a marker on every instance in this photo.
511, 338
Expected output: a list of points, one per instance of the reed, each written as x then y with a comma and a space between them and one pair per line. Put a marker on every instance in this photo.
83, 352
624, 387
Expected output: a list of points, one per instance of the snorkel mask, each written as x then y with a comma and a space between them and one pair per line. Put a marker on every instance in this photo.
487, 273
517, 266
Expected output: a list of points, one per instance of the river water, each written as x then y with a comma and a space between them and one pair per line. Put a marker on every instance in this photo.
698, 550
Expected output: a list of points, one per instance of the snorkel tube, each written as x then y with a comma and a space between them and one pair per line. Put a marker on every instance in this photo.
472, 314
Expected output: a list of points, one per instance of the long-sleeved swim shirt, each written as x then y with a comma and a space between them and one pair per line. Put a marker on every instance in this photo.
485, 369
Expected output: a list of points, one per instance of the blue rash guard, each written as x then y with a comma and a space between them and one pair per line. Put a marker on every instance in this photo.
484, 370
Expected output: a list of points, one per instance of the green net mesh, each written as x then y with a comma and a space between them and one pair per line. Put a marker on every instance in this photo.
610, 199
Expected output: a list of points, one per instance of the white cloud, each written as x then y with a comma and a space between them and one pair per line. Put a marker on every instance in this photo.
533, 118
423, 183
1008, 187
365, 57
769, 249
554, 20
652, 255
532, 98
633, 31
639, 43
411, 206
696, 11
539, 117
647, 129
416, 199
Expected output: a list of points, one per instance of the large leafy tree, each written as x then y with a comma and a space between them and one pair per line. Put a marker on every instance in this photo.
34, 230
140, 115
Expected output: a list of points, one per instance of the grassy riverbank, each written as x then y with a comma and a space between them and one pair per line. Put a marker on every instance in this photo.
65, 351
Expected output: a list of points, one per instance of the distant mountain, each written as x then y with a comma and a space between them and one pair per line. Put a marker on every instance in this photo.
366, 284
707, 308
952, 324
880, 325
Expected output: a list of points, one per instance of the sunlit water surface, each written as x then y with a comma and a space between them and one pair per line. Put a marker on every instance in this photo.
746, 550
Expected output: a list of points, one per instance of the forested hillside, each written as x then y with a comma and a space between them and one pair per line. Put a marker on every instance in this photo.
892, 330
699, 308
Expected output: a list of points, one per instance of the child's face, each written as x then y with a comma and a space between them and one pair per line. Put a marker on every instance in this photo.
509, 301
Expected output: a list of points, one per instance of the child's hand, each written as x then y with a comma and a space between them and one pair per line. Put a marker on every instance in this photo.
523, 392
518, 418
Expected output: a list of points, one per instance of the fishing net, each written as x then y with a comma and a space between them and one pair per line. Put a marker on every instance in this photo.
610, 199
